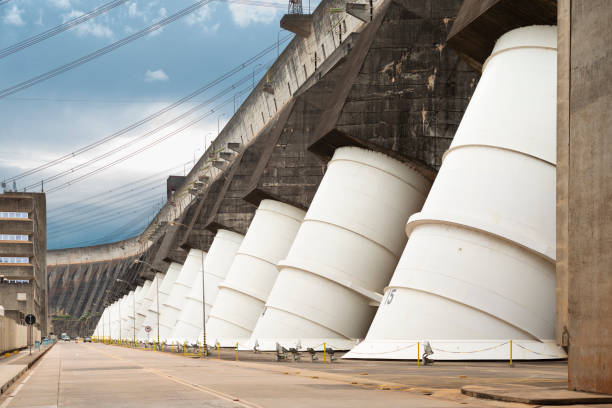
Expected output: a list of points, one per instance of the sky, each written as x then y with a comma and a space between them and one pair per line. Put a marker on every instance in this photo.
60, 115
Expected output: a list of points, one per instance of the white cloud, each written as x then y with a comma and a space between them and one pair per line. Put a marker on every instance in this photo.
202, 18
39, 20
213, 28
199, 16
63, 4
133, 10
154, 76
160, 16
13, 16
63, 126
244, 15
89, 27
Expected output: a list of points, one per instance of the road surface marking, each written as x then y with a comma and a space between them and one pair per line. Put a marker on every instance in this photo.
16, 390
182, 381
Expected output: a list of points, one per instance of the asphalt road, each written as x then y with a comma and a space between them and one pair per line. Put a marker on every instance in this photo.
96, 375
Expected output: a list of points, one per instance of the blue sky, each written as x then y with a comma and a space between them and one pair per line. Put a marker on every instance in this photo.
76, 108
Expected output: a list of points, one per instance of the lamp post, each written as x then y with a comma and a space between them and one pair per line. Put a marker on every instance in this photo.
206, 139
218, 129
138, 261
120, 332
203, 298
133, 288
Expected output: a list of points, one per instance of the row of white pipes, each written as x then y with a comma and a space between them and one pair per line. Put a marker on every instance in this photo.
382, 260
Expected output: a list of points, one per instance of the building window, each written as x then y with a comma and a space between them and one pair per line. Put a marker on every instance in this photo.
14, 259
5, 214
13, 237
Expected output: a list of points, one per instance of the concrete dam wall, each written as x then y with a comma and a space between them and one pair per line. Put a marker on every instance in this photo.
384, 85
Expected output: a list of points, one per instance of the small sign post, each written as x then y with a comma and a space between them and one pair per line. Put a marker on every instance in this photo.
148, 330
30, 320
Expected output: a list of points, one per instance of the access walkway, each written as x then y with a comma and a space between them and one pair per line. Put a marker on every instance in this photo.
97, 375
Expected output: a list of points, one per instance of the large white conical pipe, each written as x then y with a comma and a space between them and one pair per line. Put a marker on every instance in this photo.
344, 253
216, 264
130, 303
188, 326
244, 292
126, 307
173, 306
103, 324
165, 286
143, 309
144, 289
115, 319
479, 267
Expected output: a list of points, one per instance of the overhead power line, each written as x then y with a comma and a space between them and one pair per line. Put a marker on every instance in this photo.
102, 51
152, 116
35, 39
72, 208
80, 212
147, 134
132, 227
101, 221
155, 142
107, 193
85, 219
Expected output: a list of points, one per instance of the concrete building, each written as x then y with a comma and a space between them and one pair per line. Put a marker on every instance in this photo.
23, 262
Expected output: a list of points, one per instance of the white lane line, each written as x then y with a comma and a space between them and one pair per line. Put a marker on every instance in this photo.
17, 389
219, 394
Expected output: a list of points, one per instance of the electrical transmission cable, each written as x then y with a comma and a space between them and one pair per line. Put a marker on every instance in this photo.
124, 231
155, 142
100, 222
118, 197
145, 135
35, 39
152, 116
102, 51
105, 194
106, 216
83, 212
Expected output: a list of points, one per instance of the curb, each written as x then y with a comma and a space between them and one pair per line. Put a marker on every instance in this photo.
535, 395
29, 365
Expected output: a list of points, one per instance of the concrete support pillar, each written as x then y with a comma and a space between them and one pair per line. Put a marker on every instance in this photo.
192, 268
589, 166
479, 266
161, 295
344, 252
243, 293
143, 309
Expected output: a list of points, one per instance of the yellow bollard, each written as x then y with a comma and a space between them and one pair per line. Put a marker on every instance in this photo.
511, 353
324, 354
236, 351
219, 350
418, 353
184, 348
